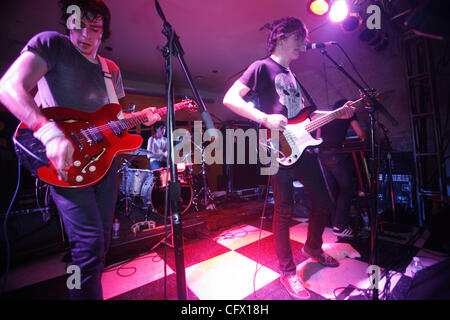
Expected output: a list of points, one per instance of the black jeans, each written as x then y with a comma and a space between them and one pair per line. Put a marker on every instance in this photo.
156, 164
306, 170
338, 172
87, 216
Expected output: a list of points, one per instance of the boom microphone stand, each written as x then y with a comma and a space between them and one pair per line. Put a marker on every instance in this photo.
173, 47
374, 106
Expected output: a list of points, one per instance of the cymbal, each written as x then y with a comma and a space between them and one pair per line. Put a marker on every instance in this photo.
139, 152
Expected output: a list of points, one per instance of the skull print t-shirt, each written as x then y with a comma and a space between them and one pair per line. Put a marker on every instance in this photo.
275, 86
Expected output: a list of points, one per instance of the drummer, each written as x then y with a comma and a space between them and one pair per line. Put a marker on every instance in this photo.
157, 145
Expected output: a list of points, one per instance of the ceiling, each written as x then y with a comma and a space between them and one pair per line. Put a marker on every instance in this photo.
219, 37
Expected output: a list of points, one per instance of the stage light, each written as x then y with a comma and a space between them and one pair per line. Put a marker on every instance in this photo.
376, 39
351, 23
318, 7
339, 11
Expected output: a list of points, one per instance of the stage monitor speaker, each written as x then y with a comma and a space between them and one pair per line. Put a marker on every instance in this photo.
31, 237
432, 283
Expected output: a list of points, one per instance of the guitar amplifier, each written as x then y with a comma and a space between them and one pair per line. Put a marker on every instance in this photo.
402, 189
30, 151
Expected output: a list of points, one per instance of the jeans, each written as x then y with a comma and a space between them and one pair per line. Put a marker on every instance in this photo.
156, 164
338, 173
307, 170
87, 215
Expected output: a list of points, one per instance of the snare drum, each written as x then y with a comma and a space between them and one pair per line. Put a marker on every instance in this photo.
133, 179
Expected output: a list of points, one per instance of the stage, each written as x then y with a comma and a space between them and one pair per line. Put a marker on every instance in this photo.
228, 256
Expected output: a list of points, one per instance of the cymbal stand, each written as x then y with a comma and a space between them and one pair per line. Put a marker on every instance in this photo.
127, 198
207, 200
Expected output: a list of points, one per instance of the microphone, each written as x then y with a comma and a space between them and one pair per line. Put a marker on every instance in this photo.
317, 45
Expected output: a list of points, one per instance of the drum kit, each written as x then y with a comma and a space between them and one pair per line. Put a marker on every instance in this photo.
145, 189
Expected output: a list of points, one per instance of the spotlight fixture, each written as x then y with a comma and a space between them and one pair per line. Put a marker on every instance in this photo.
318, 7
351, 23
376, 39
339, 11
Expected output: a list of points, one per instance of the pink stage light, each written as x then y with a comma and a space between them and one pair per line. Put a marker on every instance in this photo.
339, 11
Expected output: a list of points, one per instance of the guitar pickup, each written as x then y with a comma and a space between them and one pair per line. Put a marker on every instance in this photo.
116, 127
92, 135
77, 141
96, 134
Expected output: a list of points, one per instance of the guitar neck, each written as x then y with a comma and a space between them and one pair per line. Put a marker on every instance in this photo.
316, 124
134, 120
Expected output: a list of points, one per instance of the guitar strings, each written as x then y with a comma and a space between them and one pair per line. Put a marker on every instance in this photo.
313, 125
129, 122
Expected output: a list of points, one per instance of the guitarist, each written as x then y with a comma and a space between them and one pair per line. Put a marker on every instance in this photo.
67, 72
280, 99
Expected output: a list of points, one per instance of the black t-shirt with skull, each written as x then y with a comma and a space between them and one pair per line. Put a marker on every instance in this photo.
275, 86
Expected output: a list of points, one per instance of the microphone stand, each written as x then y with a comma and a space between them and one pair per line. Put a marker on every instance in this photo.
374, 106
173, 47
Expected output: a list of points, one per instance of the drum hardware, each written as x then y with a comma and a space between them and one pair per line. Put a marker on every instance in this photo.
131, 186
203, 196
128, 200
145, 189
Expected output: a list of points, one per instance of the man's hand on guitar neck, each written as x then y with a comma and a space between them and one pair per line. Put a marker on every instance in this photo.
349, 110
152, 116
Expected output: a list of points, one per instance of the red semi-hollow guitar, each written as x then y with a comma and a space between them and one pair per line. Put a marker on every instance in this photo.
96, 137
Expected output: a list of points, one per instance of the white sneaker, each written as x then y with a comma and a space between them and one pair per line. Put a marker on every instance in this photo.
295, 287
346, 232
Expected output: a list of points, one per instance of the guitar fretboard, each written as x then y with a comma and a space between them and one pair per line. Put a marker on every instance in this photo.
134, 120
316, 124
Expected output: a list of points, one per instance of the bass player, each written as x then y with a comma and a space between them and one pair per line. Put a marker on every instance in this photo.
280, 99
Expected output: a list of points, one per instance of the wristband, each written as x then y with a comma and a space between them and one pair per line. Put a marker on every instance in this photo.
264, 121
40, 123
47, 132
261, 117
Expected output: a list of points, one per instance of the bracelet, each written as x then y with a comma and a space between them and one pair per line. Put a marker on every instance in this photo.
47, 132
264, 121
261, 118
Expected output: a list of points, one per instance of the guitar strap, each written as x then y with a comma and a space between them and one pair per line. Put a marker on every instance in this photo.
311, 101
108, 81
307, 95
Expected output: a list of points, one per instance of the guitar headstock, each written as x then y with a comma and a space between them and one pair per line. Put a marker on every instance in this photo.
190, 105
371, 93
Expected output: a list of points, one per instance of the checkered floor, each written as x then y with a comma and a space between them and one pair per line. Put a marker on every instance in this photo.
240, 264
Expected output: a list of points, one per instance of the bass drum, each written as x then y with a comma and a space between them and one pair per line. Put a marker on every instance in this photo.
156, 197
146, 191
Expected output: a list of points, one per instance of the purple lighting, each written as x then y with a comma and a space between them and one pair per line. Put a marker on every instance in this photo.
339, 11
